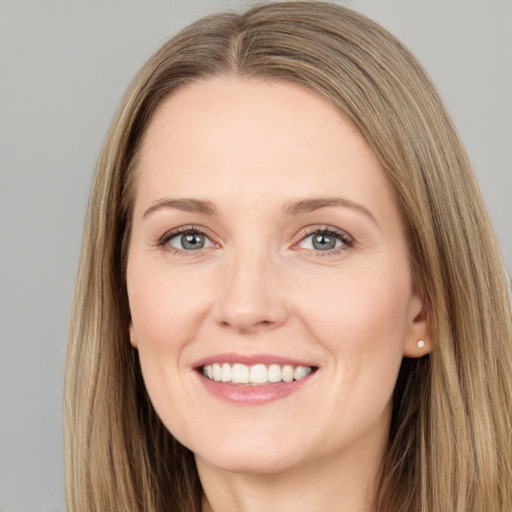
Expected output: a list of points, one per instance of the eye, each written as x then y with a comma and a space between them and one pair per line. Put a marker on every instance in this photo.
324, 240
189, 240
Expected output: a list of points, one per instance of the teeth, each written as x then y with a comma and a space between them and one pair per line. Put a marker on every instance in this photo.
299, 372
225, 375
256, 374
287, 373
274, 373
240, 374
216, 372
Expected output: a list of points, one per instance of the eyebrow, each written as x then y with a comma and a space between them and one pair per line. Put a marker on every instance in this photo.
187, 205
310, 205
292, 208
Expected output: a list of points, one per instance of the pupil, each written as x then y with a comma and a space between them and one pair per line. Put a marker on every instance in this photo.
192, 241
324, 242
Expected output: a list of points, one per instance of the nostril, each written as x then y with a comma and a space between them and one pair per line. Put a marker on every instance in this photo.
247, 303
247, 324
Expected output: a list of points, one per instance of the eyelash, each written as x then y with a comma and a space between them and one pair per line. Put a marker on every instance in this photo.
183, 230
346, 240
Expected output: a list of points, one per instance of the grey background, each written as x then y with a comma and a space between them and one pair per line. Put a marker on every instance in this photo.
63, 68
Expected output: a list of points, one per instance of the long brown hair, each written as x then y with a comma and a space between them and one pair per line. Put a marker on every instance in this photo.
450, 443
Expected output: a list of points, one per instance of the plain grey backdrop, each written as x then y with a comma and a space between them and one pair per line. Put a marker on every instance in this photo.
63, 68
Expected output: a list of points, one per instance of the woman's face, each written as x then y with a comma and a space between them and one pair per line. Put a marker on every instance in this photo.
268, 278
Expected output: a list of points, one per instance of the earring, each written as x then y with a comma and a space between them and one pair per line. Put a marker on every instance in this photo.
420, 344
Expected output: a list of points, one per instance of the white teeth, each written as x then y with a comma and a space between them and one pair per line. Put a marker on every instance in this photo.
257, 374
300, 372
287, 373
274, 373
216, 372
240, 374
226, 373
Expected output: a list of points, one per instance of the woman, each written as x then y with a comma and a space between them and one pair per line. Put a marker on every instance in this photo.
290, 294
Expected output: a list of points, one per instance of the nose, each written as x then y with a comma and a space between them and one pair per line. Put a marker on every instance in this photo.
251, 298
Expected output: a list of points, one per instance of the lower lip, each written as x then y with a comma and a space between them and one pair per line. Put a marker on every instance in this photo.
252, 395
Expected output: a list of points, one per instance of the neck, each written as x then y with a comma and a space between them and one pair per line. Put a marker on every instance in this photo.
341, 482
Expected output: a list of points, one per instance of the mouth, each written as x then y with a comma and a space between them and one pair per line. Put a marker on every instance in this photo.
253, 379
259, 374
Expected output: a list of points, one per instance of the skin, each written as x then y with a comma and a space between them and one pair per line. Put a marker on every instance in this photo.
259, 286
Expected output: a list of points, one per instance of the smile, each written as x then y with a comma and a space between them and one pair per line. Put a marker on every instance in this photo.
255, 375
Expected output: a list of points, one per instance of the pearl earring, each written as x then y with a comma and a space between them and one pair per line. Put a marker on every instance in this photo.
421, 344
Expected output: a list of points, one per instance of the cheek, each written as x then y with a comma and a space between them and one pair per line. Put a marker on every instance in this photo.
165, 308
165, 312
360, 318
358, 302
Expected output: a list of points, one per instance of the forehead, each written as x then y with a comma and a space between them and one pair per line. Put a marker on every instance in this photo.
254, 139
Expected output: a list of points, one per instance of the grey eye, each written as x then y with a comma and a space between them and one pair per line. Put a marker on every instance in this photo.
323, 242
190, 241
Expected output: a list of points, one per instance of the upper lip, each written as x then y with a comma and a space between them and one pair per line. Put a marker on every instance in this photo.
250, 360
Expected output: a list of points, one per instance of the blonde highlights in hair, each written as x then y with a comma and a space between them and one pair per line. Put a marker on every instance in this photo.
451, 434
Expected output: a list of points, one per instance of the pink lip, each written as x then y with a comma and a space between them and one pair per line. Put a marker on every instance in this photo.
249, 360
246, 394
252, 395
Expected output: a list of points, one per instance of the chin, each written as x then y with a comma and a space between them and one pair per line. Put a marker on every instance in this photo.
250, 456
247, 463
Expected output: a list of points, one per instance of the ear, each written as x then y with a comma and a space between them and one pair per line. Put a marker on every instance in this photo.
133, 335
418, 339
